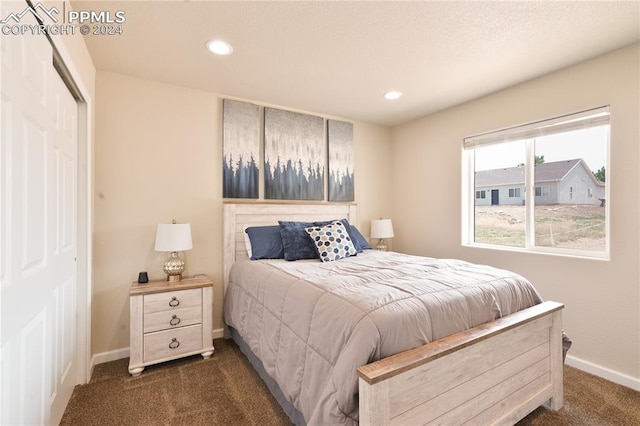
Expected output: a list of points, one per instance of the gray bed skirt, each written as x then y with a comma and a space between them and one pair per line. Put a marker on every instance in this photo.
294, 415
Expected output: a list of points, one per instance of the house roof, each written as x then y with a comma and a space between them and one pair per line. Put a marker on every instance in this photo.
544, 172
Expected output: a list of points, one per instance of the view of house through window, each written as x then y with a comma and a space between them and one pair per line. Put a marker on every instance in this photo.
500, 218
542, 184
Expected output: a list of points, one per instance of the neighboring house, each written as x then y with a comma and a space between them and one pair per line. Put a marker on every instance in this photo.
558, 182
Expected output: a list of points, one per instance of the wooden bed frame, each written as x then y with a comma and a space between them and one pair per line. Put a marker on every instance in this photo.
495, 373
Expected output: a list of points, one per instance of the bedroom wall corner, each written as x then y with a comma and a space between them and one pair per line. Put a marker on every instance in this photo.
159, 157
373, 177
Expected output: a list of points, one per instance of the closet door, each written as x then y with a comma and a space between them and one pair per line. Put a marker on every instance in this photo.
38, 229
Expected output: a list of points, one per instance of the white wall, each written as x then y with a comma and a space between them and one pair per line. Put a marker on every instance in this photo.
602, 298
159, 157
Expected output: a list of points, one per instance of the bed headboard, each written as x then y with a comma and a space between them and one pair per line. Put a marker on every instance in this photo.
239, 216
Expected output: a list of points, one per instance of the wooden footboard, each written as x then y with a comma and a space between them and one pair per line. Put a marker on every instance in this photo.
495, 373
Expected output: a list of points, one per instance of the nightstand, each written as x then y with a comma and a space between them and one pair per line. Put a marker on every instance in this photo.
169, 320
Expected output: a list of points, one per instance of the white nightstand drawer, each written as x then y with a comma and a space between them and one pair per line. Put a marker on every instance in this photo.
171, 343
171, 300
178, 317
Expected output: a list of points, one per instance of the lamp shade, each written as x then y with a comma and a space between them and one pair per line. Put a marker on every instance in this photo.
381, 228
173, 237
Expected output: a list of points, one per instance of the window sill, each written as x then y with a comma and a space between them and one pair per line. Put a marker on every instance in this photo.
549, 251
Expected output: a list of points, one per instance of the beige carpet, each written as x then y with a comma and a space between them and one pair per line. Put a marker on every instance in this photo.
225, 390
590, 401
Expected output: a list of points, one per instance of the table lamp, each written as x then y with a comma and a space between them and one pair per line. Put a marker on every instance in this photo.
173, 237
381, 229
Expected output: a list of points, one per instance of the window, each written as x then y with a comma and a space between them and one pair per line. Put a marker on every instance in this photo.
553, 181
542, 191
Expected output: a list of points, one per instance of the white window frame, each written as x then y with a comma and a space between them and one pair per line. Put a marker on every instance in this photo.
589, 118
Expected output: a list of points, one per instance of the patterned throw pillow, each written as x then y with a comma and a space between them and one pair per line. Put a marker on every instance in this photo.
332, 241
347, 226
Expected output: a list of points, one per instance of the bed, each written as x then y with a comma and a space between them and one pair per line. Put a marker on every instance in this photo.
495, 371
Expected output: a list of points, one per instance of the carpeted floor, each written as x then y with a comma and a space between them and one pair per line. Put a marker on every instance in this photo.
225, 390
590, 401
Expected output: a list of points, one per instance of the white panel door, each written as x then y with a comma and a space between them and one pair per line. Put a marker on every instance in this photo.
38, 217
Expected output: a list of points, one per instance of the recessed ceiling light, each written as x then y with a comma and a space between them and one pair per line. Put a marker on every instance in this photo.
392, 95
219, 47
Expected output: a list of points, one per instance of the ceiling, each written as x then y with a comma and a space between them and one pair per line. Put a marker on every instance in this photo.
339, 58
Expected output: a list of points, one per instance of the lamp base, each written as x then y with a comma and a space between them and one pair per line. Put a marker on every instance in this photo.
381, 245
174, 267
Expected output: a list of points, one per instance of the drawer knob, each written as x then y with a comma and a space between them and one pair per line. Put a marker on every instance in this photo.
174, 343
174, 320
174, 302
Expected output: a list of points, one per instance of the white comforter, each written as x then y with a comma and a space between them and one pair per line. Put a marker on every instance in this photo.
312, 323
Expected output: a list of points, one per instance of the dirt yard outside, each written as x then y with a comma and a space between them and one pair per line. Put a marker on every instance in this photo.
568, 226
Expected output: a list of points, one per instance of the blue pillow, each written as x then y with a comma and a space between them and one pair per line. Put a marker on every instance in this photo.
296, 242
357, 237
346, 225
266, 242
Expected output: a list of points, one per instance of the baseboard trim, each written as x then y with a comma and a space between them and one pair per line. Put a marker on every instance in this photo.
605, 373
114, 355
580, 364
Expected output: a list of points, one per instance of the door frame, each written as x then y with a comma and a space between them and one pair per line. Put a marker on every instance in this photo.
71, 75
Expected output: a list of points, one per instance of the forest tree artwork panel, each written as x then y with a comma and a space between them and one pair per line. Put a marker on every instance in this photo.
241, 149
294, 155
341, 174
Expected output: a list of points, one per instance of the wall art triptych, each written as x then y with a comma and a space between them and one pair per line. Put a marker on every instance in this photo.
295, 154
